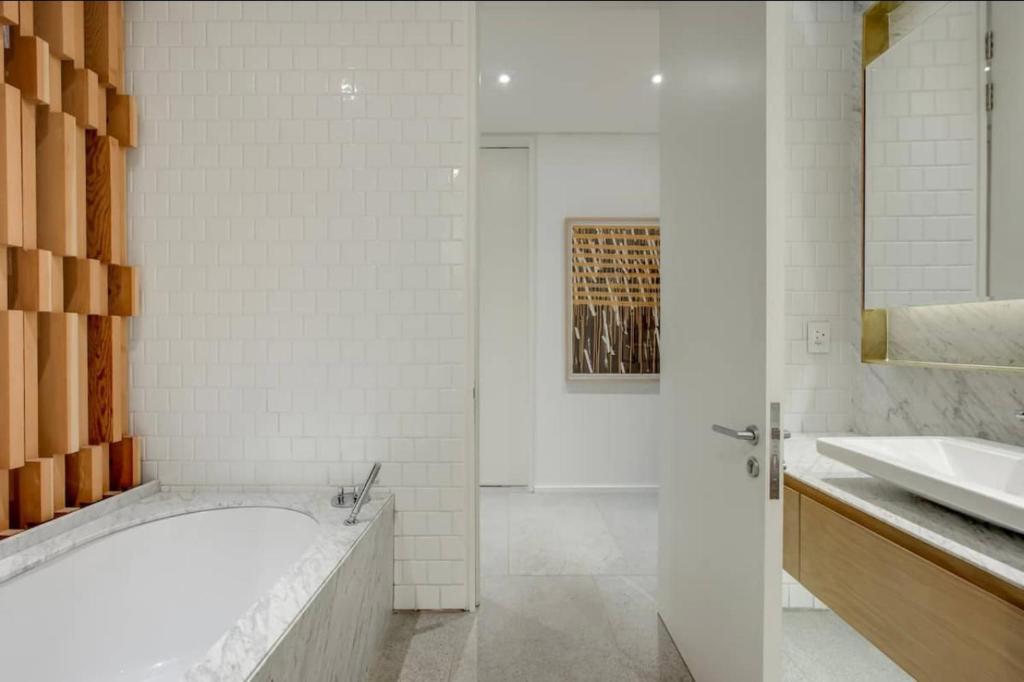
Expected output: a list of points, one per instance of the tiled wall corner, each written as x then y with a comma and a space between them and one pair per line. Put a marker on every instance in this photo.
298, 207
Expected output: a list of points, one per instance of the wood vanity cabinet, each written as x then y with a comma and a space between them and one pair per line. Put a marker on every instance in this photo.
936, 616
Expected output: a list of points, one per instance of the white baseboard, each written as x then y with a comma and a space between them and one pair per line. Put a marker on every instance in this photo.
635, 488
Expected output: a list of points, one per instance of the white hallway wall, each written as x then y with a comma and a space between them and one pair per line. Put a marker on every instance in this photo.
588, 434
300, 228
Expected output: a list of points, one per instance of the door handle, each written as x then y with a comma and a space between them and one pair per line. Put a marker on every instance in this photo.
750, 434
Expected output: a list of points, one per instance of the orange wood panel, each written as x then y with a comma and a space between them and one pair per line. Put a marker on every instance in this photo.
31, 373
106, 336
56, 91
59, 483
105, 189
122, 119
85, 286
12, 389
5, 274
35, 283
126, 463
58, 383
57, 183
29, 238
28, 68
80, 95
11, 230
104, 41
62, 25
8, 12
123, 287
5, 501
82, 365
26, 18
86, 470
35, 491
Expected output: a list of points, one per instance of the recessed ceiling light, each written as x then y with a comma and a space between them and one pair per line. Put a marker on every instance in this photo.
657, 78
504, 79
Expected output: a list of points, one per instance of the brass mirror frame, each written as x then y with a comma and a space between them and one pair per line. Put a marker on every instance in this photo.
874, 336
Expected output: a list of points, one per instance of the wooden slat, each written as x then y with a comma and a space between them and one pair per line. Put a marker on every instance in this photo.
106, 336
35, 491
5, 277
105, 189
8, 12
933, 624
26, 18
56, 91
57, 183
59, 483
62, 25
123, 287
58, 383
29, 218
28, 68
5, 501
85, 286
80, 96
126, 463
12, 389
36, 282
11, 226
104, 41
82, 365
122, 119
85, 473
31, 374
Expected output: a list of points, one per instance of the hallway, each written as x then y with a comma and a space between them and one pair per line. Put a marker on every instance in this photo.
568, 588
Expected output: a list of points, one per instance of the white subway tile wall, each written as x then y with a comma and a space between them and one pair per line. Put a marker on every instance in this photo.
298, 208
922, 160
821, 249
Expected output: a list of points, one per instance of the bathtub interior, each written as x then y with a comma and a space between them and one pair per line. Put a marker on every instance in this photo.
149, 601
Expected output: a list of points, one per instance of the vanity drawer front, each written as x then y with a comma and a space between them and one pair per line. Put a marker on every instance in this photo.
932, 623
791, 532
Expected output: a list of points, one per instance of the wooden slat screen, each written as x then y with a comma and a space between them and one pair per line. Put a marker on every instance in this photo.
65, 126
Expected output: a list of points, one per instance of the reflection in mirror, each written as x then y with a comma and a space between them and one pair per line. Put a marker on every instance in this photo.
925, 236
1006, 174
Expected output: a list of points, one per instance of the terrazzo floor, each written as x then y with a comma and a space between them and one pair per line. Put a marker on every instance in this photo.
568, 585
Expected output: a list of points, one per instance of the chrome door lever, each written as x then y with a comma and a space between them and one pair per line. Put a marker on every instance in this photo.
750, 434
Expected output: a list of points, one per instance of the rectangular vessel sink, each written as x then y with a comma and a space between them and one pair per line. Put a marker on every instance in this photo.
977, 477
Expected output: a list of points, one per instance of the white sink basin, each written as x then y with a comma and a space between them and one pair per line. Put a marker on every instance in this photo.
977, 477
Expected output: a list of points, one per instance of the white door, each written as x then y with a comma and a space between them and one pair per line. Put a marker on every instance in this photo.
720, 529
504, 280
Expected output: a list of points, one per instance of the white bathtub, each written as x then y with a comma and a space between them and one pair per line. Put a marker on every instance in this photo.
198, 587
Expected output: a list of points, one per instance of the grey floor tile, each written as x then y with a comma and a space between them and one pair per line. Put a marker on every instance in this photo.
569, 591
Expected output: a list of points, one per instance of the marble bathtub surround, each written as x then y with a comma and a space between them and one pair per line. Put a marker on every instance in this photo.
993, 549
320, 571
51, 529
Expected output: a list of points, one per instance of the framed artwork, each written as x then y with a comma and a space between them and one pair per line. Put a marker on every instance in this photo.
613, 298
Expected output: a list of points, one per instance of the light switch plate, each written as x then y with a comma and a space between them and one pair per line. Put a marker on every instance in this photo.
819, 337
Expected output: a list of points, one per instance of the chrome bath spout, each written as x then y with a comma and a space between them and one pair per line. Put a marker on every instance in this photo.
364, 495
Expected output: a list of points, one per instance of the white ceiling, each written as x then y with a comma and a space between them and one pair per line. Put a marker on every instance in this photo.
576, 67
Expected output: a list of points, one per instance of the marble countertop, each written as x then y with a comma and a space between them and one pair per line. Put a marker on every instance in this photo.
241, 649
990, 548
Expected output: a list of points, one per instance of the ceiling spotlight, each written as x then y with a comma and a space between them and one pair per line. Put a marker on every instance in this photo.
504, 79
657, 78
